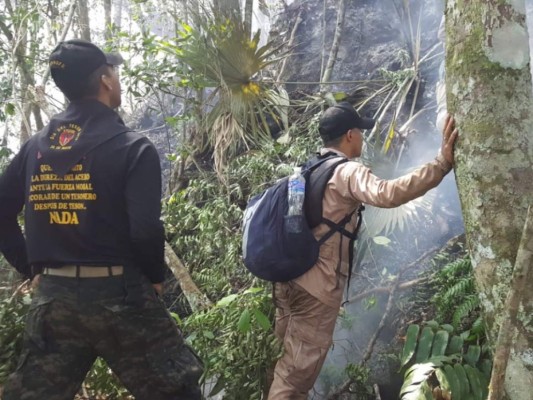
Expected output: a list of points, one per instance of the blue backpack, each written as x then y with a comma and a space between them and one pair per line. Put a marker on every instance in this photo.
272, 253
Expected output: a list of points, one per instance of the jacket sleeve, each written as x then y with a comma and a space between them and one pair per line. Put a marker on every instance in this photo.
12, 242
360, 184
143, 203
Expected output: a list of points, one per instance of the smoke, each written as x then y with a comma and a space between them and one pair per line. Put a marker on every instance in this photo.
431, 222
438, 223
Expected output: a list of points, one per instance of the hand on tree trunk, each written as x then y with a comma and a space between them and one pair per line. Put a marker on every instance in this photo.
448, 139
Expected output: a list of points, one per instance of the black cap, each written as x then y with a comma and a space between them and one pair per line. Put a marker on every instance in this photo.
340, 118
73, 61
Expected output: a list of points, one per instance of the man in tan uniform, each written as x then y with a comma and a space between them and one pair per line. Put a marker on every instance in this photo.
307, 307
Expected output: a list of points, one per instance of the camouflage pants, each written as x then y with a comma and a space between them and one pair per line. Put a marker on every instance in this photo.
72, 321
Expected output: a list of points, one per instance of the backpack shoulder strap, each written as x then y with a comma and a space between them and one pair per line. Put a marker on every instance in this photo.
319, 171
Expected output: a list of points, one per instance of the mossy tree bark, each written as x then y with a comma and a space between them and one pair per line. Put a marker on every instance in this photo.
489, 91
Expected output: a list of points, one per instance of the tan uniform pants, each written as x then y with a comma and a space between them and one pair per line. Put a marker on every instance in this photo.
305, 325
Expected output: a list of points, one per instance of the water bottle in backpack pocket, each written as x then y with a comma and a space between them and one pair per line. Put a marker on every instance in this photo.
295, 219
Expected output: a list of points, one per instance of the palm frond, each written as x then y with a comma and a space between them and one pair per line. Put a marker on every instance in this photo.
383, 221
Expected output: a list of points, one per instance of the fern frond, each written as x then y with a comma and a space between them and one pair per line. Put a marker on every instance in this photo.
458, 267
464, 287
478, 327
464, 309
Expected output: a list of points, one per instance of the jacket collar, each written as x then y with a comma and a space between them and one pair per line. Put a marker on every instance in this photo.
71, 134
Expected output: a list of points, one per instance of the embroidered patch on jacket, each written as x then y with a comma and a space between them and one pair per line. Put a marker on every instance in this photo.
64, 136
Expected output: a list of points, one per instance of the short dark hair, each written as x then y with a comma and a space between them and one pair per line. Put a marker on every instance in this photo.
90, 87
332, 142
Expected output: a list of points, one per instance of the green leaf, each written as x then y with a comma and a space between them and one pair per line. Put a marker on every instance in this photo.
456, 345
381, 240
462, 380
415, 376
253, 290
433, 324
475, 384
486, 367
208, 334
410, 344
172, 156
472, 355
424, 345
448, 328
339, 96
176, 318
453, 381
244, 321
420, 392
226, 300
9, 108
484, 381
465, 334
262, 319
444, 384
440, 342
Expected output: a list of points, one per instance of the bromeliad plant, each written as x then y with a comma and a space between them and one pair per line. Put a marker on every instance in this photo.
221, 53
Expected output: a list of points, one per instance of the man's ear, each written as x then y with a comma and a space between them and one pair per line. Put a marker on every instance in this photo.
349, 135
106, 81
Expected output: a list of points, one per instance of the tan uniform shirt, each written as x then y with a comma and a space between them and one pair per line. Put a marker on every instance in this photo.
352, 184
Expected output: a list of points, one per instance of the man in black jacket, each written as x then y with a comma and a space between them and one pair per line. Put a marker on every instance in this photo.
93, 245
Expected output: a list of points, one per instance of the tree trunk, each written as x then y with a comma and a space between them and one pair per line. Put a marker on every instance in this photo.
228, 7
25, 126
26, 84
117, 18
522, 274
248, 15
107, 18
297, 23
36, 110
83, 20
66, 27
490, 93
341, 10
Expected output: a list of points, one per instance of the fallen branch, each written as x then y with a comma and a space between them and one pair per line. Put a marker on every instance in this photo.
197, 300
376, 391
388, 309
405, 285
387, 289
521, 270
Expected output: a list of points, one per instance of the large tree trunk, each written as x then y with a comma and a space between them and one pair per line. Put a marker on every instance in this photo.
83, 20
107, 18
228, 7
490, 93
248, 15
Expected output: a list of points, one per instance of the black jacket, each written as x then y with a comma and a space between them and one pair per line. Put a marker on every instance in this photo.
92, 196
